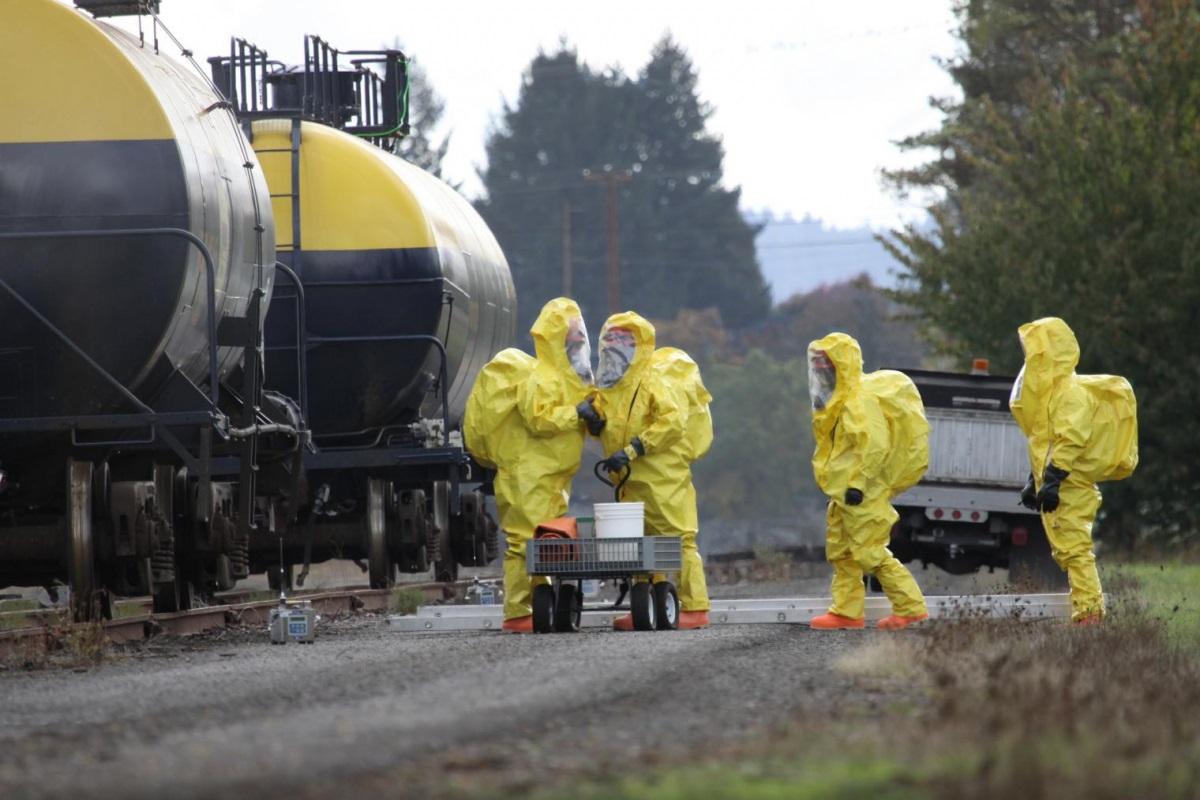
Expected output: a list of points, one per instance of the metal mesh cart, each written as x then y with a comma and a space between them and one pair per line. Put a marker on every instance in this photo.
558, 606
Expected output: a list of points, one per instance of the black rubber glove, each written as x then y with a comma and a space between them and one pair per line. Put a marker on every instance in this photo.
588, 413
854, 497
1052, 478
1029, 494
617, 462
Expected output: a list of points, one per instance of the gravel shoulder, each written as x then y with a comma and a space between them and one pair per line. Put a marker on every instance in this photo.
416, 713
420, 715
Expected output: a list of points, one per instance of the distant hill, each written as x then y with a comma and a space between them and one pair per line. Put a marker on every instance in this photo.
798, 255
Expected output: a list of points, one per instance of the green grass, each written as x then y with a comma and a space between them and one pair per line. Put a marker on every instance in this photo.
406, 600
1169, 592
847, 779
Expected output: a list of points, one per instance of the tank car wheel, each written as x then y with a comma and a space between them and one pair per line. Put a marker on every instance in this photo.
666, 606
445, 567
379, 560
81, 546
382, 571
543, 608
568, 608
641, 605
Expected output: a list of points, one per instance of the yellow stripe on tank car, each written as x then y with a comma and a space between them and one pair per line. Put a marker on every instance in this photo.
351, 195
65, 80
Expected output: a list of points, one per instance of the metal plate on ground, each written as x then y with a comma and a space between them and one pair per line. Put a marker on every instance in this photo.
752, 611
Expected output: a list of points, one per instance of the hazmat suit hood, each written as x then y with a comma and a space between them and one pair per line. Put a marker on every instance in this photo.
1051, 355
626, 344
560, 340
845, 356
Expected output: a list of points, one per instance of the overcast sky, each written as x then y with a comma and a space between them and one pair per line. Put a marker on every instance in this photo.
809, 96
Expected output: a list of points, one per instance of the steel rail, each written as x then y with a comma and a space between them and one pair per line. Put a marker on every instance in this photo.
200, 620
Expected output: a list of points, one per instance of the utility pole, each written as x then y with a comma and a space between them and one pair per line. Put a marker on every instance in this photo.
611, 179
566, 249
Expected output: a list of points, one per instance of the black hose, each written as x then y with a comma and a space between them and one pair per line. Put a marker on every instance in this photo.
626, 471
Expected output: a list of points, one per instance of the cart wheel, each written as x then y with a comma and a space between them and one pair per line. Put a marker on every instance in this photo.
568, 608
543, 608
666, 606
641, 604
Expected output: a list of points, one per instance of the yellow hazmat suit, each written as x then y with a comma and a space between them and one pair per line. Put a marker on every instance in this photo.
656, 396
522, 418
1070, 430
853, 442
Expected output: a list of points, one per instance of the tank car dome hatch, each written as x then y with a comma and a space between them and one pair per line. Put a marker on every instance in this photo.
115, 136
386, 250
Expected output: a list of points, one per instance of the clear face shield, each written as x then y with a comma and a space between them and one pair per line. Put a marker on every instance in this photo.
617, 348
822, 378
579, 350
1014, 397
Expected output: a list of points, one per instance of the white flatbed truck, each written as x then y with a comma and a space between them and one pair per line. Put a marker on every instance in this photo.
965, 514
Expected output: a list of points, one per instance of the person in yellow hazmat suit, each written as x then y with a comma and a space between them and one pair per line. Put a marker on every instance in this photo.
656, 423
853, 442
1081, 429
526, 419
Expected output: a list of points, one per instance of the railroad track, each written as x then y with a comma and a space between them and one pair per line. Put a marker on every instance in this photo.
231, 609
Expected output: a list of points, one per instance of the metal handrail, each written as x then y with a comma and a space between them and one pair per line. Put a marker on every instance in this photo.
301, 336
421, 337
211, 275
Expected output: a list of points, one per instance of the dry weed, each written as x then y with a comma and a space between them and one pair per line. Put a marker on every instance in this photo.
886, 658
1054, 711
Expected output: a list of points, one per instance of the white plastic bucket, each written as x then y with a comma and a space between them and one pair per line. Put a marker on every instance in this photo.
616, 520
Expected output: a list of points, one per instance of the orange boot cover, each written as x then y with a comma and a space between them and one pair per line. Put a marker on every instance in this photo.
833, 622
518, 625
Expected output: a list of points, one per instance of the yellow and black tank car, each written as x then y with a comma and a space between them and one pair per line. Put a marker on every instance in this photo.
386, 250
98, 131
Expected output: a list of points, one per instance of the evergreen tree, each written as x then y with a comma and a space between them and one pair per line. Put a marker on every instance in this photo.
690, 241
683, 242
1083, 206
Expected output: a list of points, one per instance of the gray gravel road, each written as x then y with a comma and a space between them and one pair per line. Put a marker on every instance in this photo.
365, 710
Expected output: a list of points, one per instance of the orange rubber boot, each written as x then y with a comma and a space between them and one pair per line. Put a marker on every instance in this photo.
895, 622
624, 623
833, 622
692, 620
1090, 619
518, 625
